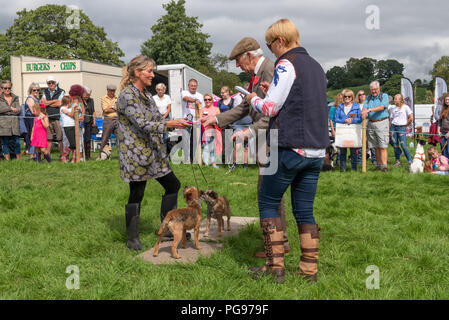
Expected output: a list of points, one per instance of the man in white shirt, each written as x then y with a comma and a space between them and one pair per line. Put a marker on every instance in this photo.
190, 100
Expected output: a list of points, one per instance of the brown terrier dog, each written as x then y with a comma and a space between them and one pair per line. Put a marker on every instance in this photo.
217, 207
180, 220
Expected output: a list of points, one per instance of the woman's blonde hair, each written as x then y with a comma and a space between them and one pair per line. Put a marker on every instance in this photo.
32, 86
402, 99
357, 99
209, 95
138, 63
338, 99
284, 29
161, 86
348, 92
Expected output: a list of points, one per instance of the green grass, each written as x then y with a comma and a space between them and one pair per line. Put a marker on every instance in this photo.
54, 216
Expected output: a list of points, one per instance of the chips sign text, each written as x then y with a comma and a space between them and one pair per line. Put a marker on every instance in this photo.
63, 66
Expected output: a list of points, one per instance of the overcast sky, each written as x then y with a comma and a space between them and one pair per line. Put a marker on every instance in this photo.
414, 32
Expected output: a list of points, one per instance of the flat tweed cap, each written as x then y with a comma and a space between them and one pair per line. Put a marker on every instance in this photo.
244, 45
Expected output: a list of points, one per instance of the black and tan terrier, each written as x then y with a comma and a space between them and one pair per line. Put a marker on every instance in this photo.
178, 221
217, 207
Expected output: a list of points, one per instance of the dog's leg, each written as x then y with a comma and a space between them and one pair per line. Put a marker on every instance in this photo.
159, 239
207, 226
156, 247
197, 234
229, 222
177, 236
184, 239
220, 225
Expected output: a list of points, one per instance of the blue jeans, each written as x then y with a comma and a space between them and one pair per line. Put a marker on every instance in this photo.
343, 157
445, 151
302, 175
399, 139
16, 143
209, 151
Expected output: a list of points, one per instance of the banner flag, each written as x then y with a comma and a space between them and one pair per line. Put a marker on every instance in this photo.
409, 98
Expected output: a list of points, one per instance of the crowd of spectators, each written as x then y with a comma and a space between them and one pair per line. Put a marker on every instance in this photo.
386, 124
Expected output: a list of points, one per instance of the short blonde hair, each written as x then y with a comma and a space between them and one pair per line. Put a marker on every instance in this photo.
161, 86
285, 29
348, 92
32, 86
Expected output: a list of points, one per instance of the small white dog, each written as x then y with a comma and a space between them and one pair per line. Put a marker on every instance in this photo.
419, 159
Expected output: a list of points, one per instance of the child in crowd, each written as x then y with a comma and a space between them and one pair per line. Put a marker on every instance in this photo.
68, 122
39, 132
437, 163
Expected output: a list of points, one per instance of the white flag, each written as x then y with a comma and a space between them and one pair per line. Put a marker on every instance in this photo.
407, 93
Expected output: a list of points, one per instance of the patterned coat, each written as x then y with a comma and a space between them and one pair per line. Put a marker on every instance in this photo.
142, 153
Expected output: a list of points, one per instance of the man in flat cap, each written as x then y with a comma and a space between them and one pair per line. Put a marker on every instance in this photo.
249, 57
109, 106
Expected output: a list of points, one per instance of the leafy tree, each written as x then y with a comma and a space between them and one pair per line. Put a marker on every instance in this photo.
393, 85
46, 33
177, 38
385, 69
244, 77
337, 77
360, 71
441, 68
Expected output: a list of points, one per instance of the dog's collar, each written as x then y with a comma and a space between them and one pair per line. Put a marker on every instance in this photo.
419, 156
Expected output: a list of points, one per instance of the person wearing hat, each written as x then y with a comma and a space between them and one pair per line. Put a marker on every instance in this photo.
51, 98
109, 107
249, 57
89, 120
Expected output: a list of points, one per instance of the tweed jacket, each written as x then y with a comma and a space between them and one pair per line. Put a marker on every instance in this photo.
9, 121
264, 74
142, 154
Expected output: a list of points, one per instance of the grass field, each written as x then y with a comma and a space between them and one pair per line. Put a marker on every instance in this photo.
59, 215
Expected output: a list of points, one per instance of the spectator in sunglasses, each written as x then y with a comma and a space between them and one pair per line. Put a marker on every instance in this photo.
32, 99
9, 121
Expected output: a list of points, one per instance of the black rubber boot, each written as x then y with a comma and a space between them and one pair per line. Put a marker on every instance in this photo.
168, 203
132, 213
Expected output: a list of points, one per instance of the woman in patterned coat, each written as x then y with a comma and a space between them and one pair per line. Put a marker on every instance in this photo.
142, 153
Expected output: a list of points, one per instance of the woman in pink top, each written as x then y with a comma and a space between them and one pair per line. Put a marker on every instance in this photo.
212, 135
437, 163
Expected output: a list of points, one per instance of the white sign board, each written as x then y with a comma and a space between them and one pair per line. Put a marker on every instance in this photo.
348, 136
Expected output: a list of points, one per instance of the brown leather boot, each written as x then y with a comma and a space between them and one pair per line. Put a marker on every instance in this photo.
281, 211
309, 237
273, 238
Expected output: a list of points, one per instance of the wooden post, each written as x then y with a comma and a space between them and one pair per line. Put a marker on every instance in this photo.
364, 146
77, 136
198, 134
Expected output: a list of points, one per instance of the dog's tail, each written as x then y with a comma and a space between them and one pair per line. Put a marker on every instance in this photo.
164, 226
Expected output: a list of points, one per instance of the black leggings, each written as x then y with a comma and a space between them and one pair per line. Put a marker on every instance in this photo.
170, 183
